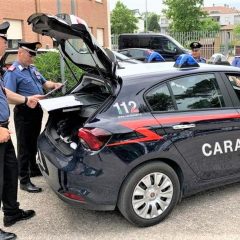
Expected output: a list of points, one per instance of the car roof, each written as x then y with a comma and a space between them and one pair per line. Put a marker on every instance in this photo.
167, 68
144, 34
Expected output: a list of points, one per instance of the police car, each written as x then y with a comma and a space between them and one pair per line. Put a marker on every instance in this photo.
138, 138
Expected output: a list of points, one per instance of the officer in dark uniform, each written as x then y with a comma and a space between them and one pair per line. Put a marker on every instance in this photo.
195, 46
8, 161
236, 61
23, 78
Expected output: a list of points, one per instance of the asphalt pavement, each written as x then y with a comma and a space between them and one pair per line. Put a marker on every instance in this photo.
213, 214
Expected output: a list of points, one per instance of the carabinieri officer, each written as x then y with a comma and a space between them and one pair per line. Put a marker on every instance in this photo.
8, 161
196, 53
24, 78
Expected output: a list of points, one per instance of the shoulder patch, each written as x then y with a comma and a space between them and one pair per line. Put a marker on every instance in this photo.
11, 68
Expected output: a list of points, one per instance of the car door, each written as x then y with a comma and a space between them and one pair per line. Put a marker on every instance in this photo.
198, 117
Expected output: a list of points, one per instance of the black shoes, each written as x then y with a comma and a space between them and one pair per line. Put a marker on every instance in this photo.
30, 187
7, 235
21, 215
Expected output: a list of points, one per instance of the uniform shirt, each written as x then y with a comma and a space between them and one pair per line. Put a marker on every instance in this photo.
236, 61
4, 109
25, 81
200, 60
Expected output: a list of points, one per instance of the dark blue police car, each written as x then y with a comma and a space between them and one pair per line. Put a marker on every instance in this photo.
138, 138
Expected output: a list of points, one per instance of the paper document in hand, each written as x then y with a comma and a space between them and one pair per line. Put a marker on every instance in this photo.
59, 102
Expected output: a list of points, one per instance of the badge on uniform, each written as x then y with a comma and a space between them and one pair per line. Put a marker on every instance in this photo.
38, 75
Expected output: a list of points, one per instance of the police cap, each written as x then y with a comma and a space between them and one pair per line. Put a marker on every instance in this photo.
3, 29
195, 45
31, 47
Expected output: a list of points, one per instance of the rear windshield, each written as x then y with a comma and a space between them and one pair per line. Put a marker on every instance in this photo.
93, 86
79, 53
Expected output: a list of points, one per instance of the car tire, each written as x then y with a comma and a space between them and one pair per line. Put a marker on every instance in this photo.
149, 194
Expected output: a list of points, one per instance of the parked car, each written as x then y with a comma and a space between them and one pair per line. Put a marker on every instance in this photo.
136, 53
123, 59
167, 46
11, 55
139, 138
141, 54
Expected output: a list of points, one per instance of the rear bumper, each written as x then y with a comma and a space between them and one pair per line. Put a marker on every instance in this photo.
86, 205
89, 181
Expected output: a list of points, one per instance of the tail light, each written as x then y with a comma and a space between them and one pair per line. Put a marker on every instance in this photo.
93, 138
74, 196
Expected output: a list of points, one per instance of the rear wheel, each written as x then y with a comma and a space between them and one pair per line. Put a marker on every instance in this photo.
149, 194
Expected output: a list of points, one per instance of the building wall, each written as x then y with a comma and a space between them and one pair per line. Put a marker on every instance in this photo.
224, 19
95, 13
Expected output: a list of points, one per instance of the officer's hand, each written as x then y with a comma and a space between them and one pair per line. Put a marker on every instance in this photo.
39, 97
32, 101
57, 85
4, 135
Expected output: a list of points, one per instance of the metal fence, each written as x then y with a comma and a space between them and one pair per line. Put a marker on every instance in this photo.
224, 42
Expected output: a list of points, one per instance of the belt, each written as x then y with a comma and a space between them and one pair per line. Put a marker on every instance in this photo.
4, 124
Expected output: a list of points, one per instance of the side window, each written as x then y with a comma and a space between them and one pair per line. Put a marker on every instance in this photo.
155, 43
127, 53
197, 92
160, 99
135, 53
168, 46
128, 42
144, 41
138, 53
235, 82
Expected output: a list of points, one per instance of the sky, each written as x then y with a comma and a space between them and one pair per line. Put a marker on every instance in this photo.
156, 5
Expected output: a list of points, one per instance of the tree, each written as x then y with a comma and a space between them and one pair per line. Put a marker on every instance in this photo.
152, 22
208, 24
236, 29
236, 32
123, 20
185, 15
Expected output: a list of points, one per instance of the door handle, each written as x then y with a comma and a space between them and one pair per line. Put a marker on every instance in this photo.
184, 126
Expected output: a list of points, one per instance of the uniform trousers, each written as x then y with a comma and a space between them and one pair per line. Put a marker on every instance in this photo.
8, 178
28, 126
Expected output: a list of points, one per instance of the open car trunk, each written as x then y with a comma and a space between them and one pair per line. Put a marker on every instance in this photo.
69, 113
